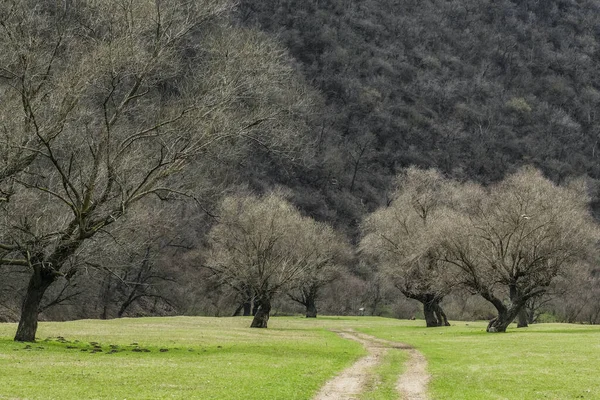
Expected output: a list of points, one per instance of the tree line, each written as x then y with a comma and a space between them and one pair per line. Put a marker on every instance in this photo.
167, 157
108, 107
507, 243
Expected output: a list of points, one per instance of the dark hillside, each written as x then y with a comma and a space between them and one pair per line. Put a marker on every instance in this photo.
475, 88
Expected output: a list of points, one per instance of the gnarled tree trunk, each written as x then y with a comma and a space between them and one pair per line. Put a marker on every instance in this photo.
522, 319
308, 298
434, 315
38, 284
261, 318
432, 310
506, 315
430, 318
311, 308
247, 306
522, 315
502, 321
440, 314
504, 318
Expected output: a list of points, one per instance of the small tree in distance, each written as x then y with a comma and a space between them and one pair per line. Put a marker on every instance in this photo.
330, 252
265, 244
403, 239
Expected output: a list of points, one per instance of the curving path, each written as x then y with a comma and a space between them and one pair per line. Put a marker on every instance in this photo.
411, 385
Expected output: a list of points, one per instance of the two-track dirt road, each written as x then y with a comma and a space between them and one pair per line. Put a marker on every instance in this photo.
411, 385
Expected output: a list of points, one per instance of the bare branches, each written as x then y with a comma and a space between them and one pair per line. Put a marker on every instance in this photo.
266, 245
404, 238
526, 233
15, 262
111, 103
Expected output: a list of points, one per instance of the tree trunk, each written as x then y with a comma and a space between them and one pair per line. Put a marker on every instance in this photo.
247, 308
311, 307
522, 318
440, 314
522, 315
261, 318
432, 310
308, 298
105, 298
125, 306
504, 319
38, 284
255, 306
430, 318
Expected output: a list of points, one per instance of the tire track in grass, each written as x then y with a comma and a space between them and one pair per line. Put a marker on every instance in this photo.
411, 385
351, 382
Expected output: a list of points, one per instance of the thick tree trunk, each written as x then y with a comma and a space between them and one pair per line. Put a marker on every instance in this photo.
440, 314
522, 315
311, 308
247, 308
308, 298
499, 324
522, 319
432, 310
506, 315
504, 319
261, 318
430, 318
38, 284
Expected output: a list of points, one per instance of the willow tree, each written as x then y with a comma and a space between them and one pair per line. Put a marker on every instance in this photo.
516, 238
265, 244
330, 253
105, 103
403, 239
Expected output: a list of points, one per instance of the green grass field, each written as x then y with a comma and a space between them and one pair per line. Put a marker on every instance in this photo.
545, 361
221, 358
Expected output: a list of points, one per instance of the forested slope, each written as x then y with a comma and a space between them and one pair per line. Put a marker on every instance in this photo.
474, 88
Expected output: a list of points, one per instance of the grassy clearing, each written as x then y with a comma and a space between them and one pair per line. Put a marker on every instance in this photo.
185, 358
221, 358
548, 361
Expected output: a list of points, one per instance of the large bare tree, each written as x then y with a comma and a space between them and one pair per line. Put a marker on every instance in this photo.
266, 245
403, 239
105, 103
517, 237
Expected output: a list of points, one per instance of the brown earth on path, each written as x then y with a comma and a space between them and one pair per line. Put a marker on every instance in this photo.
411, 385
351, 382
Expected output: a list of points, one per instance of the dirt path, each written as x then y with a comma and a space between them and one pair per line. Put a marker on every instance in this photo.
411, 385
351, 382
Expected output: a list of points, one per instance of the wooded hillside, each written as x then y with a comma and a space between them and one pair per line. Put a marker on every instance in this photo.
324, 101
473, 88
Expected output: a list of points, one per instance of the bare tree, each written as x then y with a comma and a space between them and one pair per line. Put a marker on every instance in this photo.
266, 245
403, 239
106, 103
516, 238
330, 252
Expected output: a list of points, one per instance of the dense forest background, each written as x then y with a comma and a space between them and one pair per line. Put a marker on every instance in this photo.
475, 89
